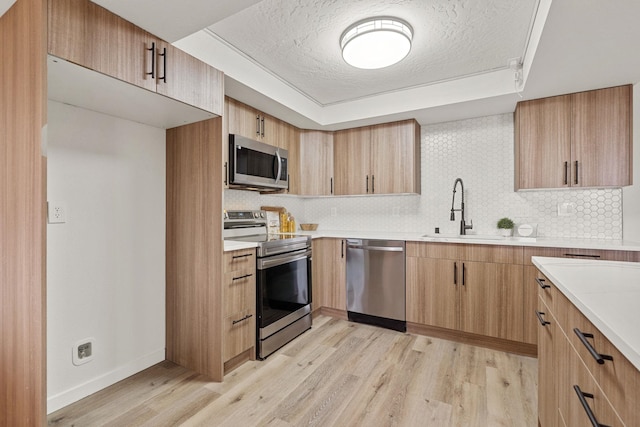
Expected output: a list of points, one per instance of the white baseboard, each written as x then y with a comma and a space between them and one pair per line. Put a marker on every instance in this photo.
81, 391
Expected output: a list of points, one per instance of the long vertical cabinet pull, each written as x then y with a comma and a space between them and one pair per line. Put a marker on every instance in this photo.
331, 183
455, 273
373, 184
262, 127
164, 62
367, 183
226, 173
576, 177
463, 270
566, 173
153, 60
258, 125
342, 248
585, 405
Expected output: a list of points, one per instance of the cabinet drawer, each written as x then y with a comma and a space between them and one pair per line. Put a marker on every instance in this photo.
575, 412
579, 254
616, 376
466, 252
239, 333
239, 260
239, 291
546, 291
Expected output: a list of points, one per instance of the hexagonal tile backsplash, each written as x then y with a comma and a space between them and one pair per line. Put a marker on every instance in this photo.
480, 151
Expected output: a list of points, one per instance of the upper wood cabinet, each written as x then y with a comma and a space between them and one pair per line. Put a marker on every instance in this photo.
577, 140
242, 119
89, 35
316, 160
378, 159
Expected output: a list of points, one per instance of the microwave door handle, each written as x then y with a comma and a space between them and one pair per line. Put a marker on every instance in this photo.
279, 165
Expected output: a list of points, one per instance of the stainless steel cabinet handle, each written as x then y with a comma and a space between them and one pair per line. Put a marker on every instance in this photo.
600, 358
248, 316
377, 248
153, 60
262, 127
542, 284
258, 125
541, 319
581, 396
242, 277
226, 173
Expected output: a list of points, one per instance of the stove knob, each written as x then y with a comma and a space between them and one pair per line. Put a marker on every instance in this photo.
226, 216
261, 214
255, 215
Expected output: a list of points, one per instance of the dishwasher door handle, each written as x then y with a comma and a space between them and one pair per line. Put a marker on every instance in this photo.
377, 248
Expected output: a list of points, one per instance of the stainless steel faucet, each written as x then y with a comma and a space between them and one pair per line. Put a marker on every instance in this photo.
463, 225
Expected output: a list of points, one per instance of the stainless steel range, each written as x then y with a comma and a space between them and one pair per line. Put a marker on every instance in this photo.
283, 279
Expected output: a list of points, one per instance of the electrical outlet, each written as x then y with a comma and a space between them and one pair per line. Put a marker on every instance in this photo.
566, 209
83, 351
334, 211
57, 212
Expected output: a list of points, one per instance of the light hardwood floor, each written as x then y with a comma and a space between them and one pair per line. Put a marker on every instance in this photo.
337, 374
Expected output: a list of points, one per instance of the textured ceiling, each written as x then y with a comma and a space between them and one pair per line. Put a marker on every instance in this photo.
298, 41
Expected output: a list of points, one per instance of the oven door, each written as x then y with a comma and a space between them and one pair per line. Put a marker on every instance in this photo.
283, 288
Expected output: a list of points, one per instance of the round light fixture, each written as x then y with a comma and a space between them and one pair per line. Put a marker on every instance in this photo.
376, 42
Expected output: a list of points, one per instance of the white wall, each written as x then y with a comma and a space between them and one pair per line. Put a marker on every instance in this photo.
106, 264
632, 193
480, 151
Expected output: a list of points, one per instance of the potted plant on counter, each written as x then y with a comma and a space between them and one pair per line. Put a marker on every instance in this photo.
505, 225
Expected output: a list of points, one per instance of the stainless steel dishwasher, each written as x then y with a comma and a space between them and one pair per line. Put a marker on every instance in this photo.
376, 283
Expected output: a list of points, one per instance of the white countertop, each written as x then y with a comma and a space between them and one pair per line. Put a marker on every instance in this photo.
604, 244
232, 245
606, 292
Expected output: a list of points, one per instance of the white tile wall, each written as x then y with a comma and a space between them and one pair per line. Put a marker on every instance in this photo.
480, 151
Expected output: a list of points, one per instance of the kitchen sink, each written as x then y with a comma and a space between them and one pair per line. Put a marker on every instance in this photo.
465, 237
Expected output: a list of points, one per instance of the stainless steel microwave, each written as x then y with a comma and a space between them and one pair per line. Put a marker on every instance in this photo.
257, 166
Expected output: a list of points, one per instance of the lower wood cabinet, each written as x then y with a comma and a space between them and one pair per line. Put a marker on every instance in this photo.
239, 302
572, 385
470, 288
531, 286
329, 279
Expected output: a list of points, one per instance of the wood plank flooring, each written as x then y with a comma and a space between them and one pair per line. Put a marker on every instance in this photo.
337, 374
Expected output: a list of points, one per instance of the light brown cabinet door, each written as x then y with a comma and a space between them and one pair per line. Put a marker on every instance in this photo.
329, 274
89, 35
491, 299
187, 79
316, 163
243, 120
395, 158
543, 141
351, 164
601, 137
287, 137
432, 292
239, 333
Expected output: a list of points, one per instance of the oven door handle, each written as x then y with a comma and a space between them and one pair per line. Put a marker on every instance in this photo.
277, 260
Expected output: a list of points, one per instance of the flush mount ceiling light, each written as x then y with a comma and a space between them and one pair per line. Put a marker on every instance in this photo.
376, 42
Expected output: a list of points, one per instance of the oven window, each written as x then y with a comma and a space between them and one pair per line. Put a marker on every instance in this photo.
283, 290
